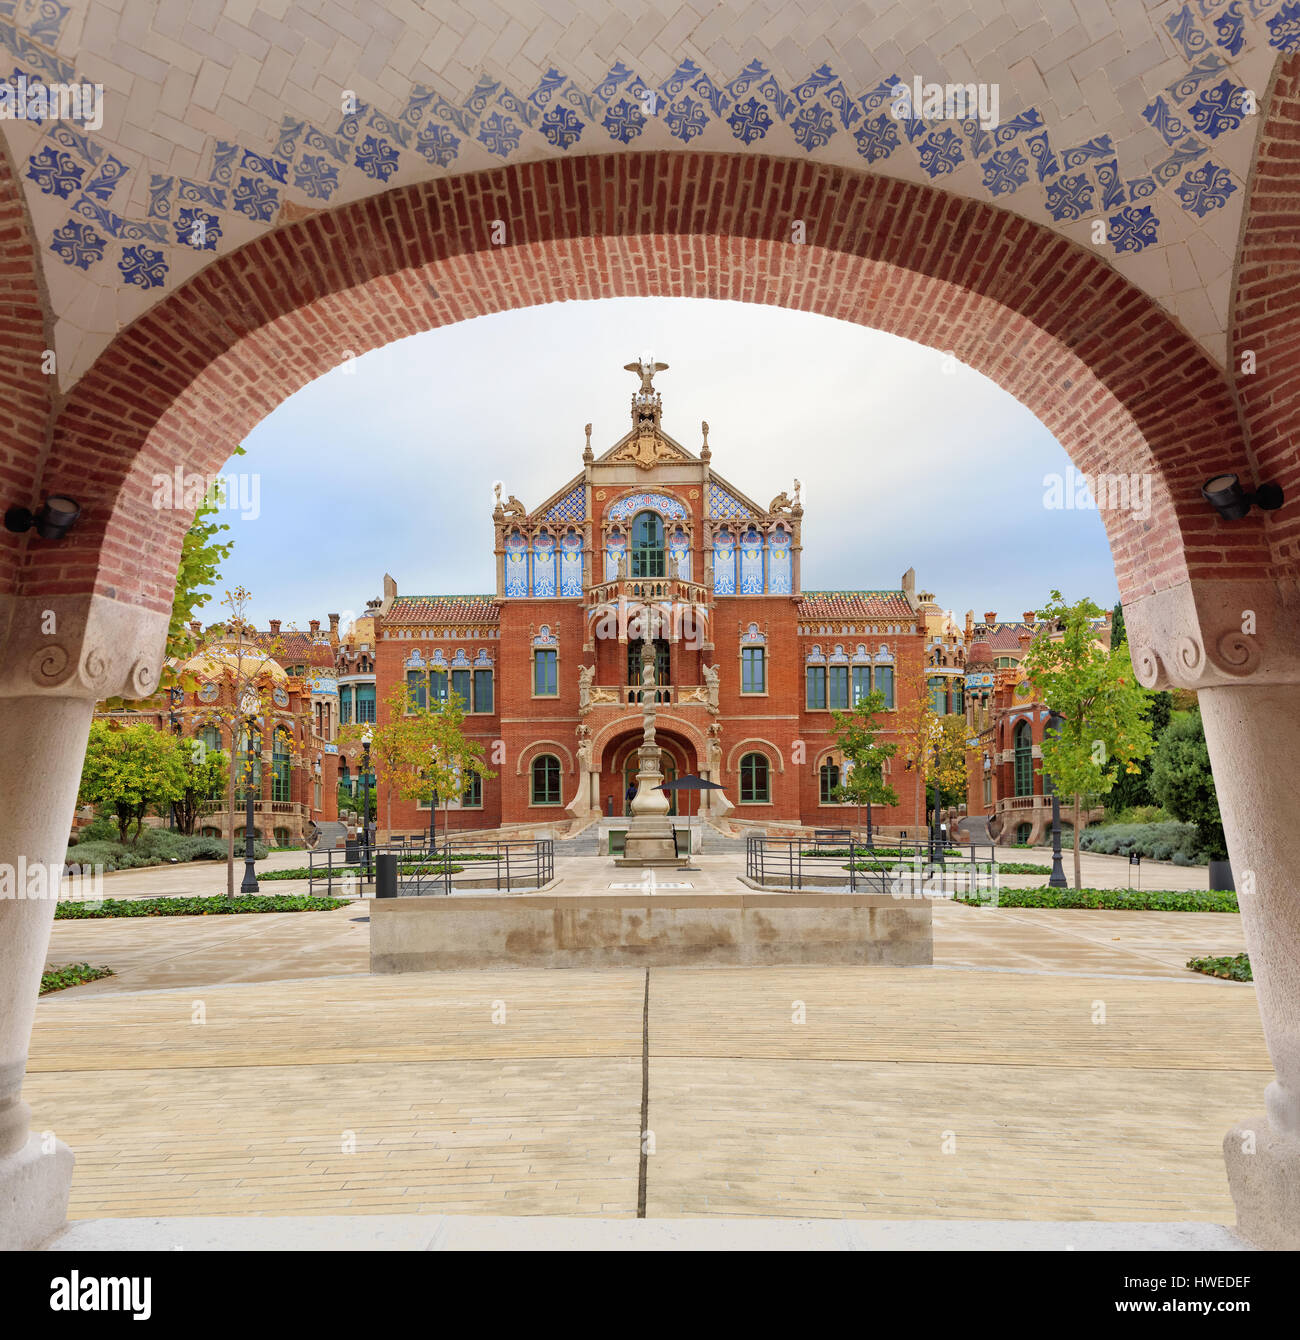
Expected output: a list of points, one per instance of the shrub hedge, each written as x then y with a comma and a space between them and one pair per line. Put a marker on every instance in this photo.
216, 905
1126, 900
1168, 841
56, 979
1236, 968
156, 846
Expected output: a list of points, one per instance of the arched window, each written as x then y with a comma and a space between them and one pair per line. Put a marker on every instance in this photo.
830, 780
648, 545
546, 780
755, 781
280, 767
1024, 756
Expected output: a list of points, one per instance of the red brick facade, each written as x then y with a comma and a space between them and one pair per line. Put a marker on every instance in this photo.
593, 721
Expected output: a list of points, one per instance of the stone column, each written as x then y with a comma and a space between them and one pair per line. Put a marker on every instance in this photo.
57, 657
1238, 645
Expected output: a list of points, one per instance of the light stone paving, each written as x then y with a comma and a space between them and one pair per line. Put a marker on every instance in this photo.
1067, 1063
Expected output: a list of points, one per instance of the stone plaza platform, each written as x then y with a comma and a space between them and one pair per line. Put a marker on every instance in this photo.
659, 928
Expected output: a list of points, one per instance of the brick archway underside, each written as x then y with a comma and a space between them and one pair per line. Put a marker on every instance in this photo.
1102, 366
1266, 308
612, 739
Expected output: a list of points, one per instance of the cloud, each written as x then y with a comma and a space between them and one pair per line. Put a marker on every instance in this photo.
390, 468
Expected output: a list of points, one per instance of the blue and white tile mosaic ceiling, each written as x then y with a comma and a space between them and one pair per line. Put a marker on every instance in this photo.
108, 214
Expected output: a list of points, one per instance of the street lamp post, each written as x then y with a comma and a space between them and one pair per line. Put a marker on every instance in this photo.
249, 705
936, 843
1057, 878
365, 803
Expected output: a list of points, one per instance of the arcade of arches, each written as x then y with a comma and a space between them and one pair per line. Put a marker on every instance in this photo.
1169, 351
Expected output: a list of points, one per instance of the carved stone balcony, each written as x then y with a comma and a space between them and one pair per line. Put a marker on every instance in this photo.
647, 590
629, 695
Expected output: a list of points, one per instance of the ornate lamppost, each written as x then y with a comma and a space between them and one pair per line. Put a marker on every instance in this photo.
248, 705
1057, 879
365, 802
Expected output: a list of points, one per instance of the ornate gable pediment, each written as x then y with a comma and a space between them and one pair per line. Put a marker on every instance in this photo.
646, 448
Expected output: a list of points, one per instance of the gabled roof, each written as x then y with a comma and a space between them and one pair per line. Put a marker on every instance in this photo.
1006, 636
855, 605
443, 609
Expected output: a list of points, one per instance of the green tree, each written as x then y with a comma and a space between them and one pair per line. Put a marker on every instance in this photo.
1183, 783
1133, 785
862, 780
1118, 633
127, 770
204, 771
421, 750
1104, 724
453, 760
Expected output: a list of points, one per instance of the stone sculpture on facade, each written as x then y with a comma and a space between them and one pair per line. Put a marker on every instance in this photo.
712, 677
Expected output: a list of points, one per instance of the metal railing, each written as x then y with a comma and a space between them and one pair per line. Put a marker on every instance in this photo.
834, 857
422, 869
517, 864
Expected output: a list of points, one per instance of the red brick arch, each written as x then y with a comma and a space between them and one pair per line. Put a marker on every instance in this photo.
1102, 366
609, 739
1266, 308
26, 390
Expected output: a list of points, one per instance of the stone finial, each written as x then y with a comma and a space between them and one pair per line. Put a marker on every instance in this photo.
705, 450
587, 454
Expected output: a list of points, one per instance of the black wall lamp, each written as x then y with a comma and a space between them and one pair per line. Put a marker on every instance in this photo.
1225, 494
53, 520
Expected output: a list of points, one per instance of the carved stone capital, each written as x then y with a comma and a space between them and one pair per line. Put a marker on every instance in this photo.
79, 647
1206, 634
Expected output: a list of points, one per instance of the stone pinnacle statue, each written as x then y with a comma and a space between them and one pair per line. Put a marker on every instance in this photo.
645, 368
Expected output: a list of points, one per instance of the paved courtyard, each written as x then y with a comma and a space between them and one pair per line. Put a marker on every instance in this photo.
1051, 1065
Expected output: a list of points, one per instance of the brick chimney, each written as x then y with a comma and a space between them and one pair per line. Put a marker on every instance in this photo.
1030, 616
275, 627
196, 628
315, 628
1025, 640
991, 616
334, 627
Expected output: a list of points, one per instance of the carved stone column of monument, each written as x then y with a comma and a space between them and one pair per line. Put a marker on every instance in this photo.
58, 656
585, 800
1238, 645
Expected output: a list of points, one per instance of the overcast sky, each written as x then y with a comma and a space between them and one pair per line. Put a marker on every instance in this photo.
390, 468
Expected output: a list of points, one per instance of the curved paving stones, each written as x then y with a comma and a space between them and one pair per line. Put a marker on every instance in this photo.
1055, 1117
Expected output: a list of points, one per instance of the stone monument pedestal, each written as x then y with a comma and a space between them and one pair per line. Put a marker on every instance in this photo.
650, 831
651, 846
